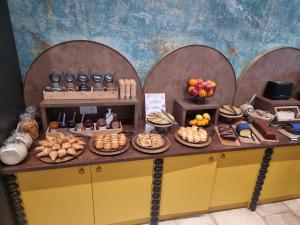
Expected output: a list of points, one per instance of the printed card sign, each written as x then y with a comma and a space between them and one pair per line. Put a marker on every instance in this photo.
155, 102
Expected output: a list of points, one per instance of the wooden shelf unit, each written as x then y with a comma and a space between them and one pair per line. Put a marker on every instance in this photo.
267, 104
183, 106
69, 103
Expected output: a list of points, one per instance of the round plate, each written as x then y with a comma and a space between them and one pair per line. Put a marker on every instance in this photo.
195, 145
158, 125
47, 159
150, 148
153, 151
107, 153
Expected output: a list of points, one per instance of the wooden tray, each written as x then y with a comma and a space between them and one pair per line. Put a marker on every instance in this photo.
260, 137
246, 140
227, 142
47, 159
87, 133
194, 145
111, 94
107, 153
153, 151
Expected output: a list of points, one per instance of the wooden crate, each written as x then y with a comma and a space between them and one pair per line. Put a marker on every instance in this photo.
111, 94
89, 133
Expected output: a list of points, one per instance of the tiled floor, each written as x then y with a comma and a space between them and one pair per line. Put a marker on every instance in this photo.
280, 213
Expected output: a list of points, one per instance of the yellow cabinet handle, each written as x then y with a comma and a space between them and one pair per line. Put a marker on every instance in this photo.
81, 171
223, 156
211, 159
99, 169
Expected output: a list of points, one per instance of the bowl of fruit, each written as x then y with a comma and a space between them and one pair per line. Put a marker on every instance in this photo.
201, 120
200, 89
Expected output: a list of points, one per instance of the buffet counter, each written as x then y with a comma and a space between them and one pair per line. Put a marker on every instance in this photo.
136, 188
32, 163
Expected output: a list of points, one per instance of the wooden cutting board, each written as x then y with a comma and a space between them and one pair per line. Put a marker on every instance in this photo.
246, 140
227, 142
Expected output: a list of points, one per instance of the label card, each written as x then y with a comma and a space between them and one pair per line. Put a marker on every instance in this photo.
155, 102
88, 110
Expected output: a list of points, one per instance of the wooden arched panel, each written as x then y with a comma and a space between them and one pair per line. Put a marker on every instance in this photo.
75, 56
171, 73
279, 64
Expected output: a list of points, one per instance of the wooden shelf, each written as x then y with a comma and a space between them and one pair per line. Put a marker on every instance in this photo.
183, 106
48, 103
263, 103
189, 105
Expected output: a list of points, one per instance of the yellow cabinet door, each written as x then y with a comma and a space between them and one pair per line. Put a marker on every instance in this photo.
122, 192
235, 178
283, 176
187, 184
57, 197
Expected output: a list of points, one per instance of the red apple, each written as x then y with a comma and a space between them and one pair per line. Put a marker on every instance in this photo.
200, 85
194, 92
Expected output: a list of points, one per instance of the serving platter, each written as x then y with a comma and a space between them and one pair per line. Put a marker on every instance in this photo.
164, 148
47, 159
195, 145
103, 152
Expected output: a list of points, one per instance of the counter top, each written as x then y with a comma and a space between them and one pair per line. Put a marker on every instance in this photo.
32, 163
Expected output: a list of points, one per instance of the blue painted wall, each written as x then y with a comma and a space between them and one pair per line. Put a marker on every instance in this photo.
145, 30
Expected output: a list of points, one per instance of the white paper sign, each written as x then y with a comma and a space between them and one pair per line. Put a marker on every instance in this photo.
155, 102
88, 109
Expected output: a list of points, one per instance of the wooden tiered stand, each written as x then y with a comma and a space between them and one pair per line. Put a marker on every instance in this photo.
78, 56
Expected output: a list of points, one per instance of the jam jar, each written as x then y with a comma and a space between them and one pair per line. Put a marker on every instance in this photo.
79, 127
71, 125
88, 125
29, 125
13, 152
101, 124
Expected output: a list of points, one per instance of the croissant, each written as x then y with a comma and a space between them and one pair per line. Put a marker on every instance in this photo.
53, 155
71, 151
61, 153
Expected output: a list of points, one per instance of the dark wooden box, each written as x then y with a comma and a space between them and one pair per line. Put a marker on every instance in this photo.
184, 108
269, 104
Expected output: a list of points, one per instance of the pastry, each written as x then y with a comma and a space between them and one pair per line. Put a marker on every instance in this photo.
230, 110
160, 118
266, 131
59, 146
150, 140
193, 134
109, 142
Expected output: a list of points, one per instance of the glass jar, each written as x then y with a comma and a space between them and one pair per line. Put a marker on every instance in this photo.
115, 123
29, 125
13, 153
32, 110
101, 124
88, 125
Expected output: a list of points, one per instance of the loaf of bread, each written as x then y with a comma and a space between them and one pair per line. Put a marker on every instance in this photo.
266, 131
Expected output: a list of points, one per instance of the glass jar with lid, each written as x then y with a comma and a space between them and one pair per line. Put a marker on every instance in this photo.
29, 125
20, 136
13, 152
32, 110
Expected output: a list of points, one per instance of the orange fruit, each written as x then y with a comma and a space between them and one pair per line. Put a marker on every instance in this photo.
190, 88
193, 82
213, 83
206, 122
200, 80
191, 122
202, 93
210, 93
199, 123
